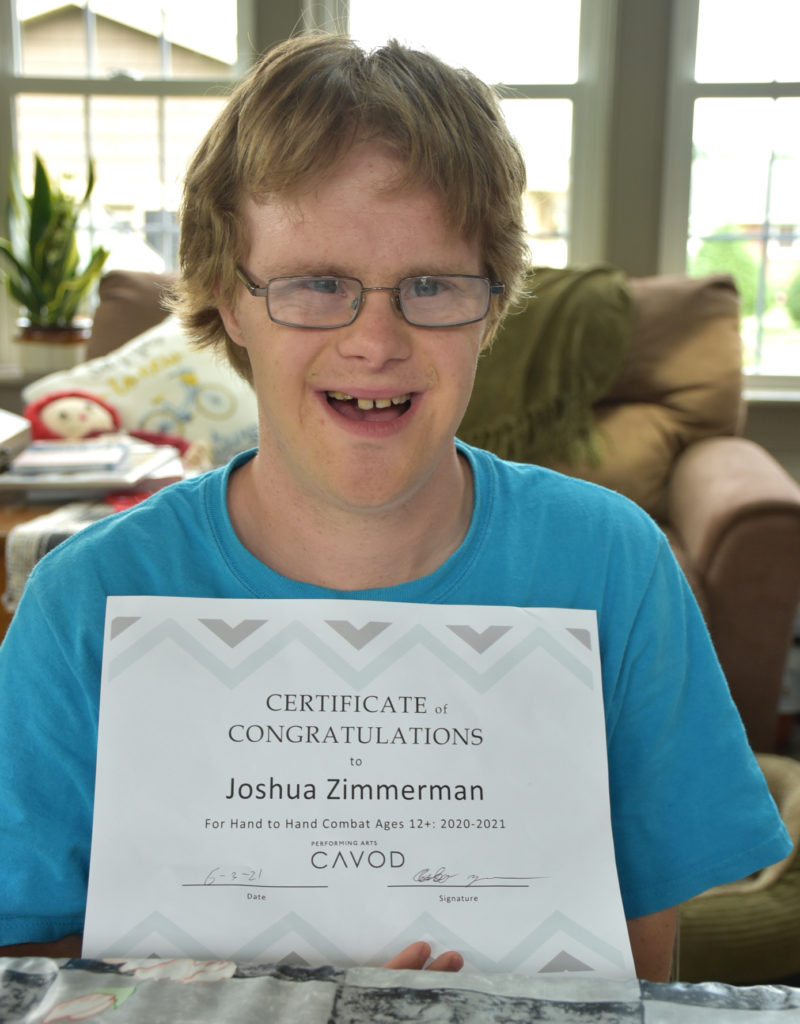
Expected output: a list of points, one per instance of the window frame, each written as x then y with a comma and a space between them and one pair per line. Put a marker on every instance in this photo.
591, 99
260, 25
683, 91
13, 83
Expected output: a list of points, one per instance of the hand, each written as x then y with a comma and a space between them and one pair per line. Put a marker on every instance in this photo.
415, 956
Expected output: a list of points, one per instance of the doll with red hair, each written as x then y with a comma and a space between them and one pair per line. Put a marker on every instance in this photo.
75, 415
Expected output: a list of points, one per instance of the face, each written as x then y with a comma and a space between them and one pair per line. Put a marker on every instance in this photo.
363, 416
74, 416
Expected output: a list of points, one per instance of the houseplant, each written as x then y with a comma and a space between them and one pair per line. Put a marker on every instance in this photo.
43, 271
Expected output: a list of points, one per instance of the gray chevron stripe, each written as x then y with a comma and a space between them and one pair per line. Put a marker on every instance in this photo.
479, 641
121, 623
157, 925
556, 924
583, 636
358, 638
358, 678
427, 925
170, 630
289, 924
233, 635
564, 961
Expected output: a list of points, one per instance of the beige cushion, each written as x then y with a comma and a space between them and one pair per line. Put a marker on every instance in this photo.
681, 380
131, 301
609, 378
551, 361
159, 382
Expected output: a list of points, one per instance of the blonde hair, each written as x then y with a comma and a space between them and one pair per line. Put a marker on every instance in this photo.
299, 111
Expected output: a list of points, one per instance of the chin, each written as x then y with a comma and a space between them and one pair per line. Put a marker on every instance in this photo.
368, 489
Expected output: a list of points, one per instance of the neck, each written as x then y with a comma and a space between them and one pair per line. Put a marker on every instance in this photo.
342, 549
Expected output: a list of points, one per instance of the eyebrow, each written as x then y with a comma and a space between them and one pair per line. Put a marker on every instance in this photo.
326, 270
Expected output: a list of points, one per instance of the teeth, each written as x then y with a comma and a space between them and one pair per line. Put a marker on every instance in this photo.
370, 403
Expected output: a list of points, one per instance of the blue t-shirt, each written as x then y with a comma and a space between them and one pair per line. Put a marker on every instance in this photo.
690, 808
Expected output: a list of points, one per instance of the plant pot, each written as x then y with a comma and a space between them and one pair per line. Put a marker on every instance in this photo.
44, 349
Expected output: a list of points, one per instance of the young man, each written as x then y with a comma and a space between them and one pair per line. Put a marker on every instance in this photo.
352, 235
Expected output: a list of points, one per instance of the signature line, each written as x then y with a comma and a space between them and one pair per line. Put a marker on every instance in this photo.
469, 885
244, 885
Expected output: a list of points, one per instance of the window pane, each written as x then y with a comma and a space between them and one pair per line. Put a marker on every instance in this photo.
187, 119
543, 48
732, 143
784, 204
743, 41
53, 127
125, 142
141, 146
548, 168
773, 345
507, 41
745, 218
146, 39
52, 42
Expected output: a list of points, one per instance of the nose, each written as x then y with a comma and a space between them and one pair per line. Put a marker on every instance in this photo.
380, 332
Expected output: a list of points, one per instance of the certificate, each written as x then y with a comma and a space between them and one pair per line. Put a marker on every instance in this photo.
324, 782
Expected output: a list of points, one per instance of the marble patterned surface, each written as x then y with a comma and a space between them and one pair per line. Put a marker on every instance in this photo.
37, 990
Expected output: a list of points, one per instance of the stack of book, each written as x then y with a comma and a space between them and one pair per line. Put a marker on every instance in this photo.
90, 468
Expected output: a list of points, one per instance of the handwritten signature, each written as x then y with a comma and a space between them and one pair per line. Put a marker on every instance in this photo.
440, 876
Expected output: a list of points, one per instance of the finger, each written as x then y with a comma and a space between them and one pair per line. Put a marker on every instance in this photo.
412, 958
450, 961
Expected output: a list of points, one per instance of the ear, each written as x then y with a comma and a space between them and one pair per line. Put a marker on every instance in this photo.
230, 320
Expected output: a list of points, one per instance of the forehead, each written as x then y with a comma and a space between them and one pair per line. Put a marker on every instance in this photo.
70, 403
359, 216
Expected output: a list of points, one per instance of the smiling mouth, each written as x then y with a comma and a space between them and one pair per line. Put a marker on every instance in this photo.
369, 408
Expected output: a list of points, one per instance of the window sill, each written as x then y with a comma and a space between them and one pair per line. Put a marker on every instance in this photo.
767, 396
772, 390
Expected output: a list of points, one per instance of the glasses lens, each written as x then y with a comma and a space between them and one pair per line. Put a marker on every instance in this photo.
444, 300
313, 301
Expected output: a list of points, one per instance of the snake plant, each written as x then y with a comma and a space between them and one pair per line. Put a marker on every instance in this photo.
40, 260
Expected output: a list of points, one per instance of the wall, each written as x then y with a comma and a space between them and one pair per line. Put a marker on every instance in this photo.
775, 424
638, 127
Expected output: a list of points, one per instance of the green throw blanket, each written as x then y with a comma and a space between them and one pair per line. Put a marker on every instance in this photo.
548, 365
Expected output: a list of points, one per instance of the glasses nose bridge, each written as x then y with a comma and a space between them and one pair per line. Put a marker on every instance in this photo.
394, 289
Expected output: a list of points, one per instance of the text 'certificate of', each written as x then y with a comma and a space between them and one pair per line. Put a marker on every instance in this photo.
327, 781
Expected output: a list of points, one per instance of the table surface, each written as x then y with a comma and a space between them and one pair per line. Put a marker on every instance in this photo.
12, 513
37, 990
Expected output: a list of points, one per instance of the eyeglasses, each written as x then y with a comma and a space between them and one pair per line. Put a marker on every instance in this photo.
431, 300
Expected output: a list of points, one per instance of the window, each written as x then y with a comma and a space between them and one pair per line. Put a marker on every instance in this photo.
551, 64
737, 97
135, 87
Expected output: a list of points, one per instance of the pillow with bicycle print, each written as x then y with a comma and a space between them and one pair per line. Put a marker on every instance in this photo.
159, 382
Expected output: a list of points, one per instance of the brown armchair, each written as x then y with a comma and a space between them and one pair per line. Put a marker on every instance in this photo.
655, 364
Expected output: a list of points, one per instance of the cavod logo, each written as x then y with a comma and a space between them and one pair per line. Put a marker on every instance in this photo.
351, 860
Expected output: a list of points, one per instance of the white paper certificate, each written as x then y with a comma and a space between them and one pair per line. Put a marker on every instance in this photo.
328, 781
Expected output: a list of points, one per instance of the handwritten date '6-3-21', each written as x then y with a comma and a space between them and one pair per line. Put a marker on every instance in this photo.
246, 876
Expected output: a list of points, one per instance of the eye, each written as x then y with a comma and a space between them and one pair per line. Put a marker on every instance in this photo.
426, 287
324, 285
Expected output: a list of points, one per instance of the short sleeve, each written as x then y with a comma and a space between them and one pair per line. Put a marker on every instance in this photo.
690, 806
48, 740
